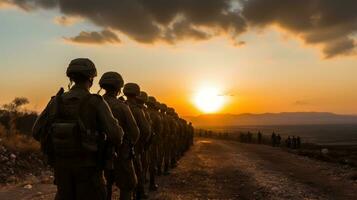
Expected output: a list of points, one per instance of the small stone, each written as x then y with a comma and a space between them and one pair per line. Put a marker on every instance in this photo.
324, 151
28, 186
13, 156
275, 188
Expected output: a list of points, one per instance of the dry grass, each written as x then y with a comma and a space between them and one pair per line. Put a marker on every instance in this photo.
18, 142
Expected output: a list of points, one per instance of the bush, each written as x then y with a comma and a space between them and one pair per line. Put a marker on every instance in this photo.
18, 142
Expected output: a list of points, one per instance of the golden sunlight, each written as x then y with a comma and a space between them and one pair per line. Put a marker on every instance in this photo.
209, 100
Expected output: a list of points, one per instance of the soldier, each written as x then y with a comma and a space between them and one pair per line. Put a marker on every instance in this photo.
167, 141
278, 140
70, 129
259, 137
288, 142
293, 142
273, 139
174, 131
298, 142
142, 100
191, 134
132, 91
163, 139
249, 137
157, 128
124, 172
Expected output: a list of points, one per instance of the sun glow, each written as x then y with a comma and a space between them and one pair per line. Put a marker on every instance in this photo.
209, 100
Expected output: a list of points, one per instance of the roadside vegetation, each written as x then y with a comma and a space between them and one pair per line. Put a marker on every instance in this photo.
15, 126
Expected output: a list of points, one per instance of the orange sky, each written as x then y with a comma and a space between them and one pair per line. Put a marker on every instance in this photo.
274, 71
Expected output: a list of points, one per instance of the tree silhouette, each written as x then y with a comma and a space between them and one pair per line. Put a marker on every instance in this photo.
13, 109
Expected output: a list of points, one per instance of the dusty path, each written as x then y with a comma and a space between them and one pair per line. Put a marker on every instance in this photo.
215, 169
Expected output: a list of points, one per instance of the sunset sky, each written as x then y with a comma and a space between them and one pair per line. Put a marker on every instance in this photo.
257, 55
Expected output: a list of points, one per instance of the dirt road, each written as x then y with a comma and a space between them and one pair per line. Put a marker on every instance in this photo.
215, 169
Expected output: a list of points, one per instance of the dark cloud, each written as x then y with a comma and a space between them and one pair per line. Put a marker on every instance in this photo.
152, 20
327, 23
330, 23
105, 36
34, 4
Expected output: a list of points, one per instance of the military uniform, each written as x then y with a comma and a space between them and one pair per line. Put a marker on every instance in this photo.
162, 139
124, 172
132, 90
157, 128
75, 155
145, 157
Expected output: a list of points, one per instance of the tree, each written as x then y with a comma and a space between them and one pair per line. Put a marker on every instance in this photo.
16, 104
13, 109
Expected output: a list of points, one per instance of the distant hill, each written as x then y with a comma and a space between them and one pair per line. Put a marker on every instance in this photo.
285, 118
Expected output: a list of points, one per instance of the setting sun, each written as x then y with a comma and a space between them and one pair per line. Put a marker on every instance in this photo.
209, 100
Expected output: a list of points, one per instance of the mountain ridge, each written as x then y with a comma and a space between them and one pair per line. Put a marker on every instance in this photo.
282, 118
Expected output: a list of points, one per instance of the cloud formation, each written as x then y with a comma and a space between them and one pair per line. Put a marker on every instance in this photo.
105, 36
330, 24
154, 20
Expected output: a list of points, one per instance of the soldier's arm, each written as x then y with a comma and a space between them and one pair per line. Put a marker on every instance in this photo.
144, 125
161, 125
133, 130
108, 123
42, 119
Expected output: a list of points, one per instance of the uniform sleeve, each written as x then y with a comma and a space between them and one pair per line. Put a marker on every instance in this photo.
109, 123
143, 124
133, 130
39, 126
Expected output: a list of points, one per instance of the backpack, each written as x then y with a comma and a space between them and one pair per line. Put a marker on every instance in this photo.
68, 135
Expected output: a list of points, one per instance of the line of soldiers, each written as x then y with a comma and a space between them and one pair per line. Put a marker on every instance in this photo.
83, 135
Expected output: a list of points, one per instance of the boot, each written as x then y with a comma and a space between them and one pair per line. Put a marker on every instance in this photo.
153, 186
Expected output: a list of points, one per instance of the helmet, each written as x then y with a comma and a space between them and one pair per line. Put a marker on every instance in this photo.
171, 111
152, 100
163, 107
143, 97
131, 89
158, 105
83, 67
111, 78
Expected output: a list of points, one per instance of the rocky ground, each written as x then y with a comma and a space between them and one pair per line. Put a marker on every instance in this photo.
15, 165
216, 169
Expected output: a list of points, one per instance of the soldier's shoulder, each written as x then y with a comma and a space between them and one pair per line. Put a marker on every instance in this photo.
95, 99
122, 104
97, 96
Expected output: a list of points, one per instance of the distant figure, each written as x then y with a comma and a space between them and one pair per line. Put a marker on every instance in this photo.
278, 140
241, 137
294, 142
288, 142
249, 137
259, 137
298, 142
273, 139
